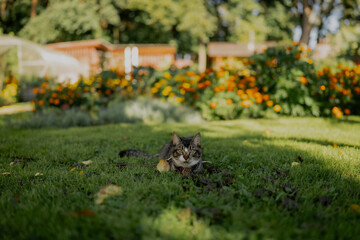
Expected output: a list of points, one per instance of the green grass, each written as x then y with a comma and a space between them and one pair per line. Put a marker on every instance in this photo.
258, 195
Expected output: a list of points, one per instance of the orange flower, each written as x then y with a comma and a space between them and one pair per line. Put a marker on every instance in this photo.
288, 48
71, 101
42, 91
277, 108
108, 92
322, 88
298, 56
303, 80
40, 103
310, 61
229, 101
51, 100
36, 90
266, 97
44, 85
269, 103
190, 73
56, 101
246, 103
54, 95
337, 112
347, 111
213, 105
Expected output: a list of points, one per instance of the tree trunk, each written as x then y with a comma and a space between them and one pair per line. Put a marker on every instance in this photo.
33, 8
306, 24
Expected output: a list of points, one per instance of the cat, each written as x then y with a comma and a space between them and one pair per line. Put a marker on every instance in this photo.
182, 153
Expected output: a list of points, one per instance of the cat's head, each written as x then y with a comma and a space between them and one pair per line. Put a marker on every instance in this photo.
186, 152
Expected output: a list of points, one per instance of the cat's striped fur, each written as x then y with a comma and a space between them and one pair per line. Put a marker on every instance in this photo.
181, 153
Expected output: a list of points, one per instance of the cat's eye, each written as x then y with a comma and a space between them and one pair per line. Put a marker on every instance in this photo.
194, 152
179, 151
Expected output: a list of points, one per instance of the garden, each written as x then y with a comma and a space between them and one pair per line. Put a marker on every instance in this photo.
272, 170
265, 96
281, 80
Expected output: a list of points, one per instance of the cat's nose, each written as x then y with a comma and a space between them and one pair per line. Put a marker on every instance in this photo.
186, 157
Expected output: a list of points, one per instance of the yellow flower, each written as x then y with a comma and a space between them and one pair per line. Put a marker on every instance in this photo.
171, 95
186, 85
157, 85
166, 90
182, 91
154, 90
129, 88
167, 75
180, 99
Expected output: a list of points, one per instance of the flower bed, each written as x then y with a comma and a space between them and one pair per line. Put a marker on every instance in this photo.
281, 80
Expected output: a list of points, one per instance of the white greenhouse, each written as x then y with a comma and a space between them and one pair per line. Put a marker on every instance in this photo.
34, 59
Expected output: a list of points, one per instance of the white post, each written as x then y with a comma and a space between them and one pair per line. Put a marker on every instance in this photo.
127, 62
135, 56
19, 56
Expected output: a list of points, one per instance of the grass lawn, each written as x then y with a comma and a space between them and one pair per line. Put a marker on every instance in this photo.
252, 192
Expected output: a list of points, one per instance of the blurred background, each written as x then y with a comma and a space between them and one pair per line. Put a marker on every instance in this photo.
62, 40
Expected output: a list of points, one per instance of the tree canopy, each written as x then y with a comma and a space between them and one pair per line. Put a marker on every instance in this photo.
184, 24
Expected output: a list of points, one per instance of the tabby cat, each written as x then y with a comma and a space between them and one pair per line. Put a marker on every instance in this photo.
181, 153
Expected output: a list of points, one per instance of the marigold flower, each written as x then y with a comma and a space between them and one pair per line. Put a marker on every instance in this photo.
40, 103
229, 101
298, 56
303, 80
310, 61
277, 108
56, 101
337, 112
54, 95
129, 88
213, 105
42, 91
108, 92
167, 75
269, 103
347, 111
51, 100
322, 88
266, 97
36, 90
246, 103
190, 73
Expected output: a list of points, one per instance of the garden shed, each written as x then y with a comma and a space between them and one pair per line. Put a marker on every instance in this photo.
99, 54
33, 59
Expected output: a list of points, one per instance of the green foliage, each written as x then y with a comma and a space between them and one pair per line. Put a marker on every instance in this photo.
288, 75
64, 21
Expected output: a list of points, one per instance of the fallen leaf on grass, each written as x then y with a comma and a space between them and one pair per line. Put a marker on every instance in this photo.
5, 173
85, 212
86, 163
163, 166
107, 191
355, 208
293, 164
38, 174
73, 169
12, 163
81, 172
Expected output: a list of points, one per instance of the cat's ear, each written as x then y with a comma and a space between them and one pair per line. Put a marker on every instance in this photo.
197, 139
176, 140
